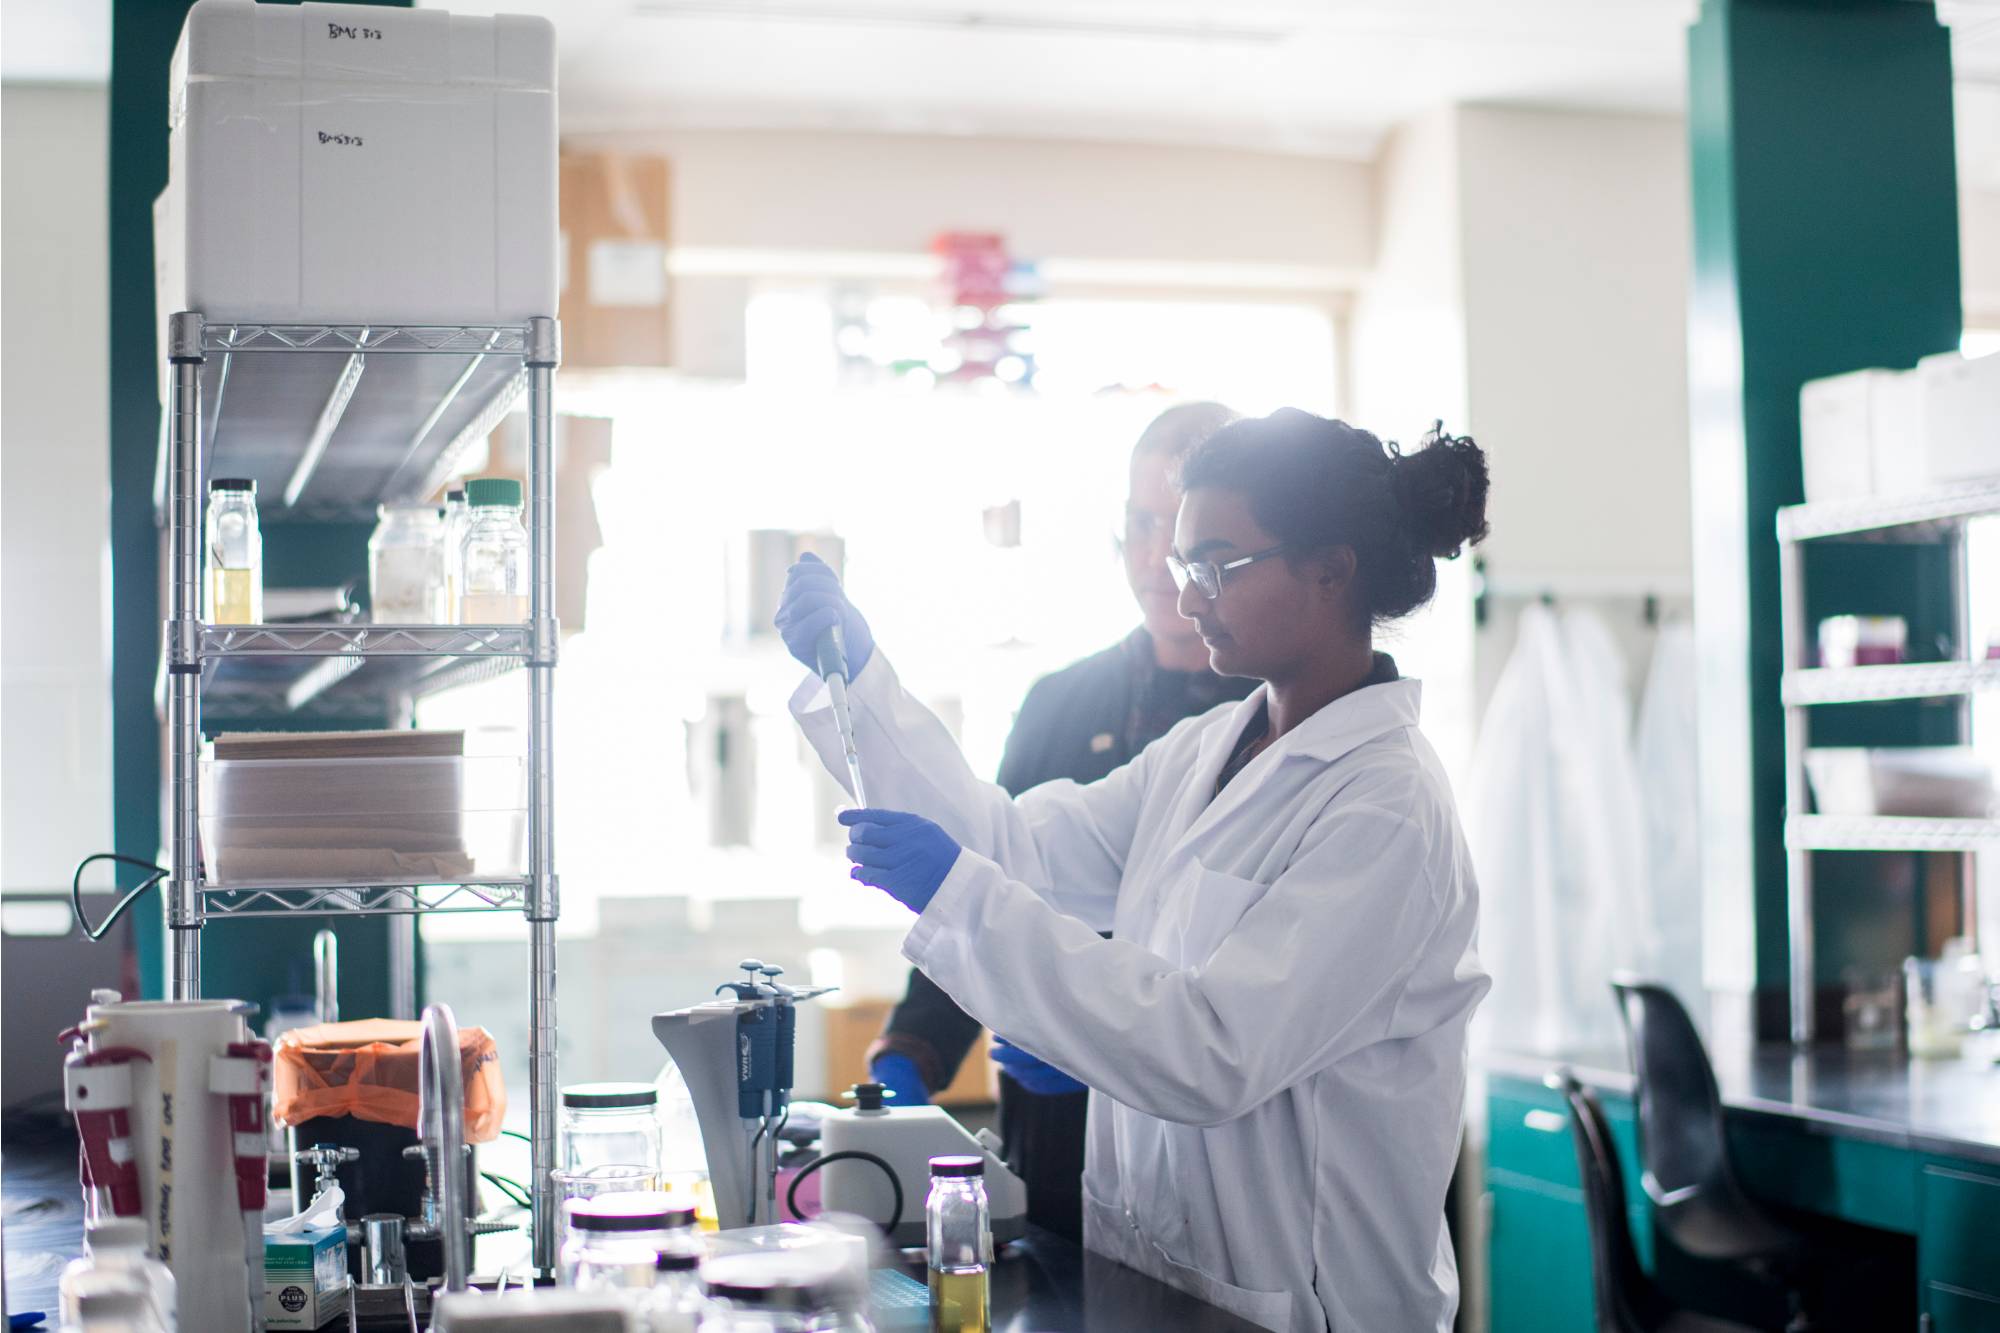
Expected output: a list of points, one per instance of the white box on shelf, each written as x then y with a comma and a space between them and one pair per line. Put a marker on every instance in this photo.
1916, 782
1961, 417
346, 163
1861, 434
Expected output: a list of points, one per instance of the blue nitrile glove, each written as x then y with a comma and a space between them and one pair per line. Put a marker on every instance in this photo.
898, 1073
905, 856
1037, 1076
813, 604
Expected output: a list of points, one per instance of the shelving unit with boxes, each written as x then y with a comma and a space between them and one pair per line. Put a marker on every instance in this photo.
1931, 516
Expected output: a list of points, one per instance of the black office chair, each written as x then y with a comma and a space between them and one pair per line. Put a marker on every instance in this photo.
1699, 1208
1627, 1300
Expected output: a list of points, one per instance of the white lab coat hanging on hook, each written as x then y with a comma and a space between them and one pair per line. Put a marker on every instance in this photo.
1553, 813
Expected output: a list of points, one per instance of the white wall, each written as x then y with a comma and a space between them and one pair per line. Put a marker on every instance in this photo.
1576, 288
55, 746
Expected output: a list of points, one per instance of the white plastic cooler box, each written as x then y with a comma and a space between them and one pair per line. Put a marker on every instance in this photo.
348, 163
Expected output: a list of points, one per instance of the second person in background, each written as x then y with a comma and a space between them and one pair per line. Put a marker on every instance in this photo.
1078, 723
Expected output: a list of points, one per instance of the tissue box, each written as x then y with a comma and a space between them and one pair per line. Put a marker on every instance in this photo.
305, 1277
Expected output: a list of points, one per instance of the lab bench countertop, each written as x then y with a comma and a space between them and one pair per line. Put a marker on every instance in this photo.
1045, 1284
1948, 1107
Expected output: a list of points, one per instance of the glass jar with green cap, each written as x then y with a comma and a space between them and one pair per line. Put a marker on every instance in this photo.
493, 560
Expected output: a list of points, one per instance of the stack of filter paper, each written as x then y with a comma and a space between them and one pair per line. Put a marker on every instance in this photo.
344, 806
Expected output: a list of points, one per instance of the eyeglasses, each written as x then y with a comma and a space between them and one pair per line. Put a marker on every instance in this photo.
1206, 575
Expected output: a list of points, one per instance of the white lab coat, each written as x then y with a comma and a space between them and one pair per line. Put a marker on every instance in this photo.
1275, 1038
1557, 827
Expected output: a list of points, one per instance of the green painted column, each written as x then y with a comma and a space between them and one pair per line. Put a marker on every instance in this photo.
1825, 240
247, 960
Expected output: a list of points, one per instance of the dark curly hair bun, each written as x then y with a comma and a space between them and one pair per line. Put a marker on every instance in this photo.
1442, 490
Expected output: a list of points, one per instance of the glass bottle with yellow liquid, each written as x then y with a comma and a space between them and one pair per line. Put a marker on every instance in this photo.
235, 553
958, 1231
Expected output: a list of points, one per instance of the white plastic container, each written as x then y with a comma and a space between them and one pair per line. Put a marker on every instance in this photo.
182, 1141
1961, 417
1923, 782
1862, 434
117, 1247
333, 163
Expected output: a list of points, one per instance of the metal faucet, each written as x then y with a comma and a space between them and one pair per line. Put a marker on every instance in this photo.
441, 1128
326, 976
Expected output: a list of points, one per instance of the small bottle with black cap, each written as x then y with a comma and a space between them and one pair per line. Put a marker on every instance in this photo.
615, 1241
611, 1124
958, 1230
676, 1301
804, 1290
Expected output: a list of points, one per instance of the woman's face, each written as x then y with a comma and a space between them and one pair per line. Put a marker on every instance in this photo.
1272, 617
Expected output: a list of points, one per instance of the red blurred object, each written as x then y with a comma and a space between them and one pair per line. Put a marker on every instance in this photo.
98, 1085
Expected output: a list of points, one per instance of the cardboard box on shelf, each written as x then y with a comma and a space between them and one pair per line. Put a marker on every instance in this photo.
614, 248
852, 1026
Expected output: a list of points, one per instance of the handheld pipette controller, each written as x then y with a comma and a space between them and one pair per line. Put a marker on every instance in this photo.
831, 650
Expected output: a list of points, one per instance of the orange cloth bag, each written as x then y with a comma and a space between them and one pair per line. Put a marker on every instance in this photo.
369, 1070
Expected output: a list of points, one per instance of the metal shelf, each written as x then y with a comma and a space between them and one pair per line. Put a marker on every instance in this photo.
220, 641
1908, 518
334, 672
1846, 833
485, 895
1871, 684
332, 420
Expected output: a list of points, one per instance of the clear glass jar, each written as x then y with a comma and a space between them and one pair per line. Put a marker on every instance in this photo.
780, 1291
614, 1242
607, 1124
406, 566
676, 1302
958, 1233
456, 518
683, 1156
494, 555
235, 553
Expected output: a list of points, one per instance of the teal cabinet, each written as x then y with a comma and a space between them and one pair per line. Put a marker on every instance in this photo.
1958, 1246
1540, 1259
1539, 1246
1953, 1311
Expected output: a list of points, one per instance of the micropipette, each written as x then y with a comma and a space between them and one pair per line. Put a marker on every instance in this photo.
832, 654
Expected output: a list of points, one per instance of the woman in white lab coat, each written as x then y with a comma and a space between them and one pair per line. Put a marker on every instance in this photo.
1275, 1034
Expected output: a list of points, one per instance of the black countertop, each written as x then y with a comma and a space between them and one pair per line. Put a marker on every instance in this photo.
1043, 1284
1046, 1284
1949, 1107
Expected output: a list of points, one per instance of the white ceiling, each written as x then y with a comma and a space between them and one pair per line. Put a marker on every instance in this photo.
1308, 76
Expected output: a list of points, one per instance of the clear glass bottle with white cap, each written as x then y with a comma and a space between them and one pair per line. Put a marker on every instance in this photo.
615, 1241
120, 1248
455, 519
235, 553
958, 1232
494, 555
406, 566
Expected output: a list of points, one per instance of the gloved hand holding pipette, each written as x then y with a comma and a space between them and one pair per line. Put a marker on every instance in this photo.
826, 633
814, 603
